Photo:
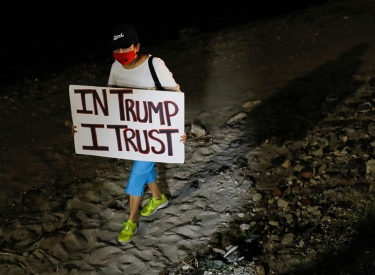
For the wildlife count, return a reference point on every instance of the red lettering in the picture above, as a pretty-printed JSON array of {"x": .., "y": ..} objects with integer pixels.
[
  {"x": 139, "y": 143},
  {"x": 120, "y": 93},
  {"x": 158, "y": 109},
  {"x": 128, "y": 140},
  {"x": 97, "y": 101},
  {"x": 129, "y": 106},
  {"x": 83, "y": 93},
  {"x": 168, "y": 114},
  {"x": 162, "y": 146},
  {"x": 94, "y": 137},
  {"x": 168, "y": 133},
  {"x": 118, "y": 137}
]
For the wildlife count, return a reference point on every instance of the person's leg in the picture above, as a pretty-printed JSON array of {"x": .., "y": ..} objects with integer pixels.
[
  {"x": 135, "y": 203},
  {"x": 157, "y": 200},
  {"x": 139, "y": 176},
  {"x": 155, "y": 191}
]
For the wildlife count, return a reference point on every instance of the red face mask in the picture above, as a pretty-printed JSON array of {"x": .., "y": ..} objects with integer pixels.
[{"x": 125, "y": 58}]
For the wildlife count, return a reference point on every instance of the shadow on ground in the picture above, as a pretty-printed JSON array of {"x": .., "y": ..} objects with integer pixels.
[
  {"x": 299, "y": 106},
  {"x": 289, "y": 115}
]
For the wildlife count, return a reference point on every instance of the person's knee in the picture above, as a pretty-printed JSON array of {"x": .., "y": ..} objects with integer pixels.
[{"x": 152, "y": 177}]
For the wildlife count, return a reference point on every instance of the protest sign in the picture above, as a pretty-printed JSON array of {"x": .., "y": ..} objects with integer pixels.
[{"x": 128, "y": 123}]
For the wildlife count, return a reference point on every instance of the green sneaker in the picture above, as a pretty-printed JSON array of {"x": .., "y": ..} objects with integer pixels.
[
  {"x": 153, "y": 205},
  {"x": 128, "y": 230}
]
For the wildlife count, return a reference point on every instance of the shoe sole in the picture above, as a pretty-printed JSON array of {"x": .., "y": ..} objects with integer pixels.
[
  {"x": 125, "y": 242},
  {"x": 156, "y": 209}
]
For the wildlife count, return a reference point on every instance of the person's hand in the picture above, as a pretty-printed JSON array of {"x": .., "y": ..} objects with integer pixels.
[
  {"x": 183, "y": 138},
  {"x": 73, "y": 130}
]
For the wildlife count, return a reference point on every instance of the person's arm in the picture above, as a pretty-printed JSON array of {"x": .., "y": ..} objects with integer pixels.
[
  {"x": 112, "y": 78},
  {"x": 167, "y": 81},
  {"x": 165, "y": 76}
]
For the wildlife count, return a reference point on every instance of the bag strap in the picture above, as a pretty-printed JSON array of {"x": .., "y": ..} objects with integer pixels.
[{"x": 153, "y": 73}]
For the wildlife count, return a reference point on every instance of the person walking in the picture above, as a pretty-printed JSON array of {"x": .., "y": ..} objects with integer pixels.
[{"x": 130, "y": 69}]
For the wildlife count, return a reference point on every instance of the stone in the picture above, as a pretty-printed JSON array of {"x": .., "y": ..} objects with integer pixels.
[
  {"x": 102, "y": 254},
  {"x": 257, "y": 197},
  {"x": 169, "y": 252},
  {"x": 370, "y": 167},
  {"x": 204, "y": 151},
  {"x": 233, "y": 257},
  {"x": 244, "y": 227},
  {"x": 60, "y": 252},
  {"x": 306, "y": 202},
  {"x": 188, "y": 230},
  {"x": 236, "y": 143},
  {"x": 77, "y": 204},
  {"x": 307, "y": 173},
  {"x": 38, "y": 253},
  {"x": 350, "y": 130},
  {"x": 182, "y": 175},
  {"x": 200, "y": 203},
  {"x": 251, "y": 103},
  {"x": 286, "y": 164},
  {"x": 282, "y": 203},
  {"x": 260, "y": 270},
  {"x": 197, "y": 131},
  {"x": 217, "y": 250},
  {"x": 289, "y": 218},
  {"x": 74, "y": 241},
  {"x": 276, "y": 193},
  {"x": 218, "y": 264},
  {"x": 274, "y": 223},
  {"x": 239, "y": 116},
  {"x": 287, "y": 239},
  {"x": 365, "y": 107},
  {"x": 318, "y": 152},
  {"x": 113, "y": 188},
  {"x": 215, "y": 148}
]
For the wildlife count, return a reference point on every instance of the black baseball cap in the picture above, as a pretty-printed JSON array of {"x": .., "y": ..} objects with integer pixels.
[{"x": 123, "y": 36}]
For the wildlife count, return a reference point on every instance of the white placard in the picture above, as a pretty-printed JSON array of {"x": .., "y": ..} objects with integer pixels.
[{"x": 128, "y": 123}]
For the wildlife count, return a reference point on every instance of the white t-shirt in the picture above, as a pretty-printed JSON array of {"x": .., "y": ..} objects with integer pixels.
[{"x": 141, "y": 78}]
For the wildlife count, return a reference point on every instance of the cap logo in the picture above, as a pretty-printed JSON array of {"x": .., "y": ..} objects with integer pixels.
[{"x": 118, "y": 36}]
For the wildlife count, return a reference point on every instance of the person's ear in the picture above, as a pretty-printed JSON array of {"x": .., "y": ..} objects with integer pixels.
[{"x": 136, "y": 48}]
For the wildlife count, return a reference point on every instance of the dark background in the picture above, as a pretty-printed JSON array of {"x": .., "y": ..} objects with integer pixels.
[{"x": 39, "y": 39}]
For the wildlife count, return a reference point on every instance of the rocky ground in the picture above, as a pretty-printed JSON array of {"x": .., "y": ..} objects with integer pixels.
[{"x": 276, "y": 181}]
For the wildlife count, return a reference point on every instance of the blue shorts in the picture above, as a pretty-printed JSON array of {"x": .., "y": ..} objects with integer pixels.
[{"x": 142, "y": 173}]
